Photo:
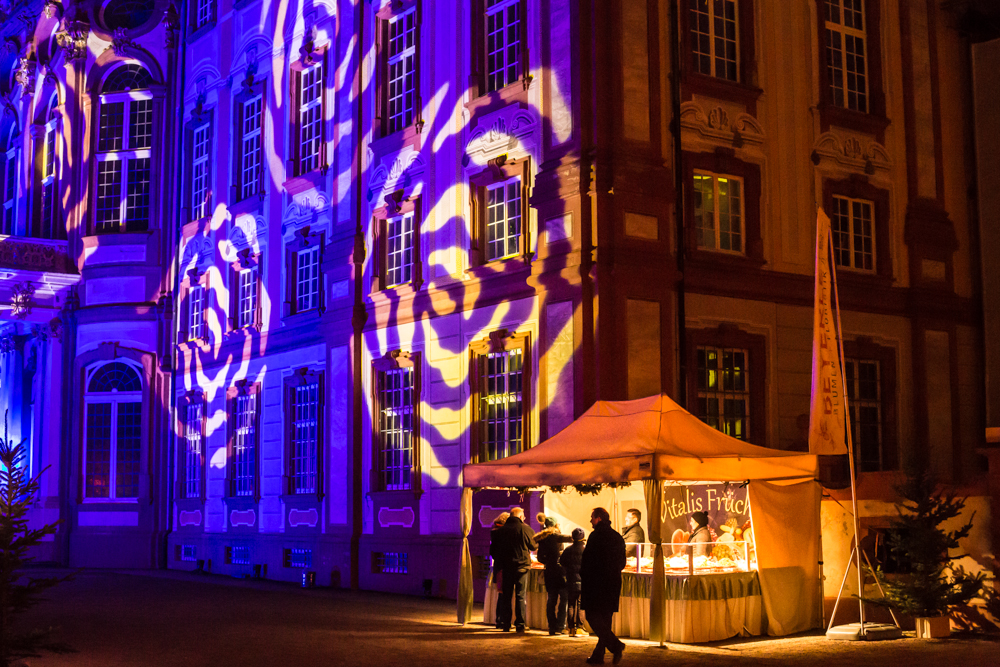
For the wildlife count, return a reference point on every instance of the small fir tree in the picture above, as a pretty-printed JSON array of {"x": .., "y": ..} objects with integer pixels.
[
  {"x": 18, "y": 593},
  {"x": 926, "y": 583}
]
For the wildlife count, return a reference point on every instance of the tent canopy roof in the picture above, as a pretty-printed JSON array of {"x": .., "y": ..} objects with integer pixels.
[{"x": 654, "y": 437}]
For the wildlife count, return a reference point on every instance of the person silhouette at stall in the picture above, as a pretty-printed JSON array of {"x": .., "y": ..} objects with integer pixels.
[
  {"x": 570, "y": 560},
  {"x": 513, "y": 555},
  {"x": 633, "y": 533},
  {"x": 700, "y": 537},
  {"x": 601, "y": 584},
  {"x": 550, "y": 541},
  {"x": 497, "y": 572}
]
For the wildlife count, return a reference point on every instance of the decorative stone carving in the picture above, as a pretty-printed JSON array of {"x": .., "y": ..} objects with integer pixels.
[
  {"x": 121, "y": 44},
  {"x": 171, "y": 26},
  {"x": 850, "y": 152},
  {"x": 511, "y": 130},
  {"x": 26, "y": 71},
  {"x": 15, "y": 253},
  {"x": 52, "y": 10},
  {"x": 73, "y": 39},
  {"x": 22, "y": 299},
  {"x": 718, "y": 128},
  {"x": 396, "y": 172}
]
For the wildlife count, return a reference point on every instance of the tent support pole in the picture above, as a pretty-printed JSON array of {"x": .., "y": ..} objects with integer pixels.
[{"x": 847, "y": 571}]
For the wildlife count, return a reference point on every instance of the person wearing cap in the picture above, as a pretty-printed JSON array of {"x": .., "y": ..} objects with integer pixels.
[
  {"x": 570, "y": 561},
  {"x": 700, "y": 537},
  {"x": 550, "y": 545}
]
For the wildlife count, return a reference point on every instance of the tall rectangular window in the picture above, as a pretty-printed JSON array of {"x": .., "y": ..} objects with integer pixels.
[
  {"x": 399, "y": 250},
  {"x": 307, "y": 279},
  {"x": 243, "y": 460},
  {"x": 251, "y": 146},
  {"x": 853, "y": 233},
  {"x": 9, "y": 188},
  {"x": 865, "y": 401},
  {"x": 504, "y": 43},
  {"x": 846, "y": 63},
  {"x": 200, "y": 156},
  {"x": 724, "y": 389},
  {"x": 395, "y": 400},
  {"x": 305, "y": 438},
  {"x": 401, "y": 73},
  {"x": 503, "y": 219},
  {"x": 501, "y": 406},
  {"x": 310, "y": 118},
  {"x": 714, "y": 34},
  {"x": 204, "y": 14},
  {"x": 718, "y": 211},
  {"x": 192, "y": 449},
  {"x": 246, "y": 305},
  {"x": 196, "y": 312}
]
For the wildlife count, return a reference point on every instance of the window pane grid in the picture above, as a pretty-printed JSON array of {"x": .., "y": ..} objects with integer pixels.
[
  {"x": 247, "y": 306},
  {"x": 193, "y": 452},
  {"x": 399, "y": 250},
  {"x": 243, "y": 470},
  {"x": 401, "y": 68},
  {"x": 503, "y": 219},
  {"x": 305, "y": 438},
  {"x": 137, "y": 200},
  {"x": 718, "y": 212},
  {"x": 503, "y": 44},
  {"x": 845, "y": 54},
  {"x": 724, "y": 390},
  {"x": 396, "y": 411},
  {"x": 501, "y": 407},
  {"x": 122, "y": 201},
  {"x": 98, "y": 484},
  {"x": 112, "y": 130},
  {"x": 864, "y": 396},
  {"x": 109, "y": 196},
  {"x": 128, "y": 448},
  {"x": 853, "y": 233},
  {"x": 311, "y": 118},
  {"x": 199, "y": 172},
  {"x": 140, "y": 126},
  {"x": 196, "y": 313},
  {"x": 307, "y": 280},
  {"x": 251, "y": 142},
  {"x": 714, "y": 34},
  {"x": 204, "y": 12}
]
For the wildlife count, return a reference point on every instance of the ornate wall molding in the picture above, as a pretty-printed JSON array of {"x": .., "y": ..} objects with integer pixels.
[
  {"x": 512, "y": 131},
  {"x": 719, "y": 125},
  {"x": 18, "y": 254},
  {"x": 850, "y": 152}
]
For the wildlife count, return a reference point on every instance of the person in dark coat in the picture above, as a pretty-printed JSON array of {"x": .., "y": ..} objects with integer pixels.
[
  {"x": 601, "y": 584},
  {"x": 497, "y": 573},
  {"x": 570, "y": 561},
  {"x": 700, "y": 537},
  {"x": 633, "y": 533},
  {"x": 513, "y": 554},
  {"x": 550, "y": 545}
]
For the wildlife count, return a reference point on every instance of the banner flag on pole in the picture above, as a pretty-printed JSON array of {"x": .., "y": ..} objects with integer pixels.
[{"x": 827, "y": 423}]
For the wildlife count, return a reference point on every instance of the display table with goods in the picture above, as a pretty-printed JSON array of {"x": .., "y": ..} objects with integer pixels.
[{"x": 707, "y": 598}]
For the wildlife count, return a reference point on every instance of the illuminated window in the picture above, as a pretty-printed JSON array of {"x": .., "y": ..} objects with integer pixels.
[
  {"x": 246, "y": 306},
  {"x": 503, "y": 219},
  {"x": 394, "y": 398},
  {"x": 243, "y": 445},
  {"x": 399, "y": 250},
  {"x": 310, "y": 118},
  {"x": 865, "y": 400},
  {"x": 307, "y": 279},
  {"x": 504, "y": 43},
  {"x": 297, "y": 557},
  {"x": 714, "y": 33},
  {"x": 200, "y": 165},
  {"x": 303, "y": 473},
  {"x": 845, "y": 54},
  {"x": 723, "y": 385},
  {"x": 401, "y": 71},
  {"x": 124, "y": 152},
  {"x": 390, "y": 562},
  {"x": 113, "y": 430},
  {"x": 718, "y": 211},
  {"x": 193, "y": 446},
  {"x": 500, "y": 396},
  {"x": 251, "y": 145},
  {"x": 10, "y": 184},
  {"x": 204, "y": 13},
  {"x": 48, "y": 225},
  {"x": 853, "y": 233},
  {"x": 196, "y": 312}
]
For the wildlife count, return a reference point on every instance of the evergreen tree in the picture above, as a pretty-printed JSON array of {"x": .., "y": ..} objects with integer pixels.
[
  {"x": 18, "y": 592},
  {"x": 926, "y": 584}
]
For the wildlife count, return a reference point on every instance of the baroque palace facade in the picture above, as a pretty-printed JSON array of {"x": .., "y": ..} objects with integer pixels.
[{"x": 276, "y": 271}]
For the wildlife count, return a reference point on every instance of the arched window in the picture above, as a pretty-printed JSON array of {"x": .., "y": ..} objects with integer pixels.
[
  {"x": 113, "y": 438},
  {"x": 124, "y": 152},
  {"x": 48, "y": 224},
  {"x": 9, "y": 184}
]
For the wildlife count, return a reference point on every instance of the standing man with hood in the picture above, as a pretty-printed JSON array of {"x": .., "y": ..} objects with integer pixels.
[
  {"x": 601, "y": 580},
  {"x": 550, "y": 546},
  {"x": 513, "y": 556}
]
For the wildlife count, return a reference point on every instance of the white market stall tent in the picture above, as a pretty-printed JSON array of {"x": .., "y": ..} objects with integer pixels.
[{"x": 654, "y": 440}]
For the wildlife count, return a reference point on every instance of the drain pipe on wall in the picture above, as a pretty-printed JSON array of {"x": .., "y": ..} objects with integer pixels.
[{"x": 675, "y": 126}]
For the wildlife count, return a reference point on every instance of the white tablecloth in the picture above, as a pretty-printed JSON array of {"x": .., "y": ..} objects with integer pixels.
[{"x": 729, "y": 605}]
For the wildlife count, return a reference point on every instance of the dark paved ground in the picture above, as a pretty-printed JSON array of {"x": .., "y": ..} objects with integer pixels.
[{"x": 171, "y": 619}]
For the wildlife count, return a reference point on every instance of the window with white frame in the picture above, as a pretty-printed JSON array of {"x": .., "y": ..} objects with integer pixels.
[
  {"x": 724, "y": 389},
  {"x": 204, "y": 13},
  {"x": 504, "y": 48},
  {"x": 853, "y": 233},
  {"x": 200, "y": 156},
  {"x": 718, "y": 212},
  {"x": 243, "y": 460},
  {"x": 246, "y": 302},
  {"x": 113, "y": 432},
  {"x": 399, "y": 250},
  {"x": 193, "y": 444},
  {"x": 10, "y": 184},
  {"x": 124, "y": 152},
  {"x": 503, "y": 219},
  {"x": 196, "y": 312},
  {"x": 395, "y": 400},
  {"x": 251, "y": 145},
  {"x": 846, "y": 61},
  {"x": 305, "y": 438},
  {"x": 865, "y": 402},
  {"x": 401, "y": 71},
  {"x": 307, "y": 279},
  {"x": 310, "y": 118},
  {"x": 501, "y": 409},
  {"x": 714, "y": 34}
]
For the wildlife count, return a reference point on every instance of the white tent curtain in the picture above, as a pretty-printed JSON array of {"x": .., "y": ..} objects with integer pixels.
[
  {"x": 465, "y": 566},
  {"x": 653, "y": 489}
]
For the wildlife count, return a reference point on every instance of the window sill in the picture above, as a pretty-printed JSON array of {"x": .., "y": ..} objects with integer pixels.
[
  {"x": 110, "y": 501},
  {"x": 396, "y": 292},
  {"x": 201, "y": 31},
  {"x": 308, "y": 181},
  {"x": 302, "y": 500},
  {"x": 848, "y": 276},
  {"x": 516, "y": 92},
  {"x": 498, "y": 267},
  {"x": 702, "y": 256},
  {"x": 298, "y": 319},
  {"x": 709, "y": 86},
  {"x": 397, "y": 141},
  {"x": 247, "y": 204},
  {"x": 382, "y": 497},
  {"x": 853, "y": 120}
]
